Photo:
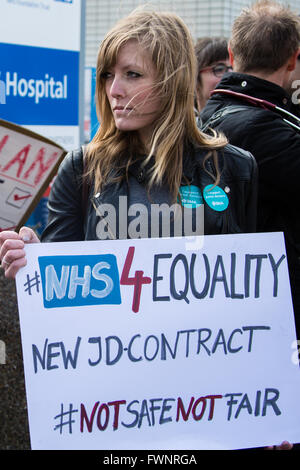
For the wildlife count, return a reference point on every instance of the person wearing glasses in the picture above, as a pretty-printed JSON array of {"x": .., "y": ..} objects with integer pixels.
[{"x": 213, "y": 61}]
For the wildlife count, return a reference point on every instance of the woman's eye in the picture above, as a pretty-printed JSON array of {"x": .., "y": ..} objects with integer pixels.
[
  {"x": 132, "y": 74},
  {"x": 106, "y": 75}
]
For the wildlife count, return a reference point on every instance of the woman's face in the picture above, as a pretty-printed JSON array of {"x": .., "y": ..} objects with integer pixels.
[
  {"x": 129, "y": 89},
  {"x": 209, "y": 81}
]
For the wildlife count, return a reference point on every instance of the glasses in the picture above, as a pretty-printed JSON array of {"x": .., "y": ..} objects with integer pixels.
[{"x": 218, "y": 70}]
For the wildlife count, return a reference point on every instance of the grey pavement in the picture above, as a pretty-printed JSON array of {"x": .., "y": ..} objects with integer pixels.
[{"x": 14, "y": 432}]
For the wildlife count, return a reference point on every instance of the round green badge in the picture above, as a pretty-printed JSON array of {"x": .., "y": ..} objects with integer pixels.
[
  {"x": 191, "y": 196},
  {"x": 216, "y": 198}
]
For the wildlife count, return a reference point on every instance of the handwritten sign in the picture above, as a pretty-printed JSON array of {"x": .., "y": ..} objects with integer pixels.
[
  {"x": 28, "y": 162},
  {"x": 148, "y": 344}
]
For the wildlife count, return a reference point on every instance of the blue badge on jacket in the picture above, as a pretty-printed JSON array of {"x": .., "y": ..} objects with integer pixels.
[
  {"x": 191, "y": 196},
  {"x": 216, "y": 198}
]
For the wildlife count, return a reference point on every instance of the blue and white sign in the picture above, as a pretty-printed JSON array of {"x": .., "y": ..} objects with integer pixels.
[
  {"x": 41, "y": 71},
  {"x": 40, "y": 87}
]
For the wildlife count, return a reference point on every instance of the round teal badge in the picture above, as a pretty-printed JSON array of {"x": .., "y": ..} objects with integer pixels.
[
  {"x": 215, "y": 197},
  {"x": 191, "y": 196}
]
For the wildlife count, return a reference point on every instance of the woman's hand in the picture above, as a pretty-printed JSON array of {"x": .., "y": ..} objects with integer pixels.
[{"x": 12, "y": 253}]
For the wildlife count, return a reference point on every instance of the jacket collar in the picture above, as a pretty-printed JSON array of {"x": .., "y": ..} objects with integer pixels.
[{"x": 257, "y": 87}]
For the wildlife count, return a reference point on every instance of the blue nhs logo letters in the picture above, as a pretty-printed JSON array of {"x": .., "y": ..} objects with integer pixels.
[
  {"x": 41, "y": 85},
  {"x": 70, "y": 281}
]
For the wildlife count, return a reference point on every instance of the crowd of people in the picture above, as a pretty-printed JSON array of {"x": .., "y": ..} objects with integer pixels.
[{"x": 173, "y": 114}]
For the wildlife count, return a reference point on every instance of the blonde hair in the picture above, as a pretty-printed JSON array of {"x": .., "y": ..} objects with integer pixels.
[{"x": 167, "y": 40}]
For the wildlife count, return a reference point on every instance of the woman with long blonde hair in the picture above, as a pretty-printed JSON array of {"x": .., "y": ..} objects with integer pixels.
[
  {"x": 166, "y": 40},
  {"x": 147, "y": 153}
]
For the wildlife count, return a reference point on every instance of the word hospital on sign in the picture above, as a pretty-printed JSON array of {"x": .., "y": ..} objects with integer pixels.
[{"x": 36, "y": 88}]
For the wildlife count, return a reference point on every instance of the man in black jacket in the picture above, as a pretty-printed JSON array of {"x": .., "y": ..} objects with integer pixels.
[{"x": 263, "y": 49}]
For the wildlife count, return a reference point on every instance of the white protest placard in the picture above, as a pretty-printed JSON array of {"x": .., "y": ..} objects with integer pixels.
[
  {"x": 145, "y": 344},
  {"x": 28, "y": 162}
]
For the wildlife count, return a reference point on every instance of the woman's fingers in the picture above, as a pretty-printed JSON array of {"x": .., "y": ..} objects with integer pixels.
[
  {"x": 12, "y": 252},
  {"x": 11, "y": 269},
  {"x": 28, "y": 235},
  {"x": 12, "y": 256},
  {"x": 10, "y": 244},
  {"x": 285, "y": 445},
  {"x": 7, "y": 235}
]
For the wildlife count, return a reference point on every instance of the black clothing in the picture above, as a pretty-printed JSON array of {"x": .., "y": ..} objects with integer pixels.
[
  {"x": 71, "y": 220},
  {"x": 275, "y": 145}
]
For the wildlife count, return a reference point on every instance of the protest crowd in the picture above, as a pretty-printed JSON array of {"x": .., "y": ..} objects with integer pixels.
[{"x": 220, "y": 111}]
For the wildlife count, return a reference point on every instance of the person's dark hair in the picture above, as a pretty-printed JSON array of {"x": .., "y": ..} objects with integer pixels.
[
  {"x": 264, "y": 36},
  {"x": 210, "y": 50}
]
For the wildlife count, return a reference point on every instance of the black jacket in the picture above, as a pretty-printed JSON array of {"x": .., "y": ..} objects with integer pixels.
[
  {"x": 73, "y": 217},
  {"x": 276, "y": 147}
]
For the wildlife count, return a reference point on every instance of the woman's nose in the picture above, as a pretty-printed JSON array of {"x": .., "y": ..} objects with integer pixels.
[{"x": 117, "y": 89}]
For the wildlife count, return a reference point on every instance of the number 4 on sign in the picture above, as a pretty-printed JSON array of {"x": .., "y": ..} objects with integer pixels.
[{"x": 137, "y": 281}]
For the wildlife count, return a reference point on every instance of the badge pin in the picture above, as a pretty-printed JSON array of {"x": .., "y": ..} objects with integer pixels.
[{"x": 216, "y": 198}]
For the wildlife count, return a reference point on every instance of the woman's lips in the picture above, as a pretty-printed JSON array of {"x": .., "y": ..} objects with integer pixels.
[{"x": 121, "y": 110}]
